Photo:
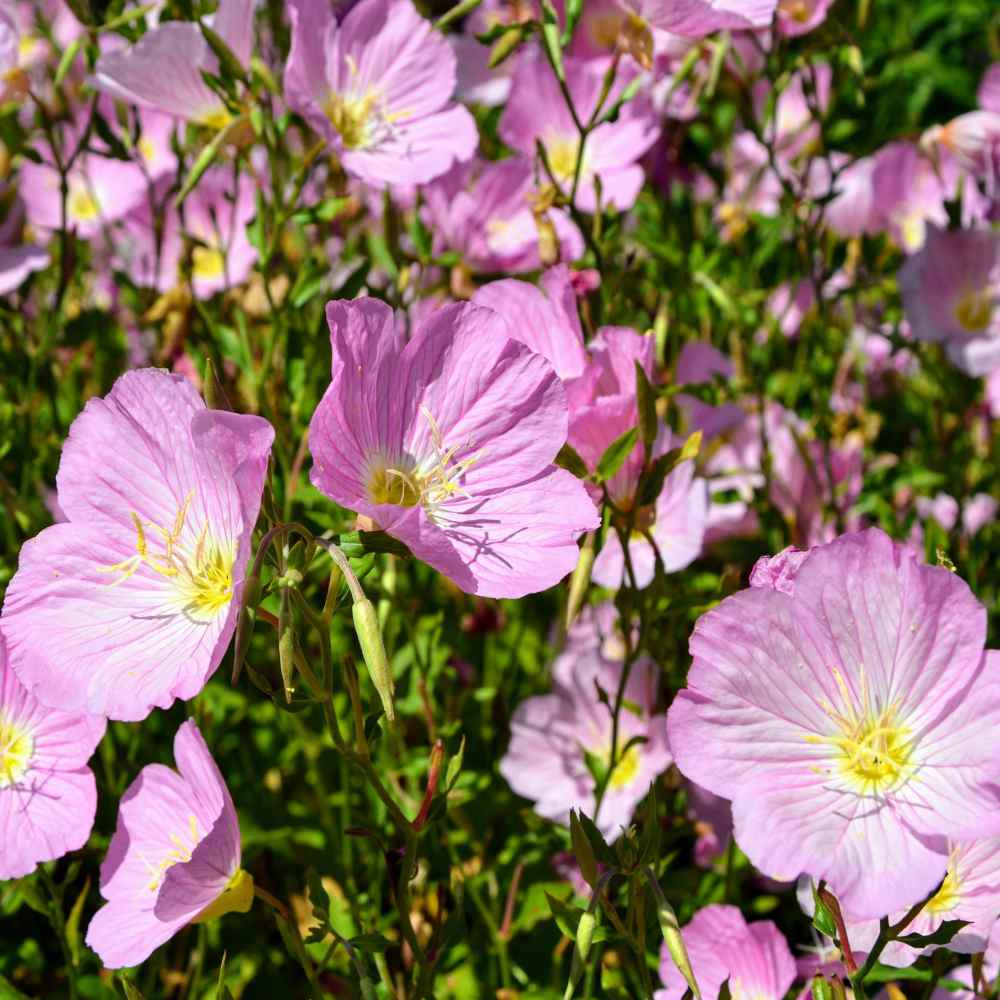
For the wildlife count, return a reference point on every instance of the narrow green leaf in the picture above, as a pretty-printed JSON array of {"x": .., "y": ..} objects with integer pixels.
[{"x": 616, "y": 453}]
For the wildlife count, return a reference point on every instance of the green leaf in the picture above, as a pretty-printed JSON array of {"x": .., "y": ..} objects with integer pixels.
[
  {"x": 73, "y": 922},
  {"x": 568, "y": 459},
  {"x": 132, "y": 992},
  {"x": 374, "y": 943},
  {"x": 614, "y": 457},
  {"x": 454, "y": 768},
  {"x": 943, "y": 935},
  {"x": 822, "y": 917},
  {"x": 551, "y": 39},
  {"x": 645, "y": 396},
  {"x": 227, "y": 58},
  {"x": 205, "y": 159},
  {"x": 318, "y": 897},
  {"x": 583, "y": 850}
]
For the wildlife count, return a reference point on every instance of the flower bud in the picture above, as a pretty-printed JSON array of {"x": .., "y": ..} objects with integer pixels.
[
  {"x": 584, "y": 938},
  {"x": 675, "y": 943},
  {"x": 370, "y": 637},
  {"x": 580, "y": 580},
  {"x": 821, "y": 988}
]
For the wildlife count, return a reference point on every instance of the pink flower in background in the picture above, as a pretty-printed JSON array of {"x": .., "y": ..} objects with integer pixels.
[
  {"x": 699, "y": 362},
  {"x": 754, "y": 958},
  {"x": 485, "y": 212},
  {"x": 697, "y": 18},
  {"x": 537, "y": 112},
  {"x": 545, "y": 318},
  {"x": 17, "y": 259},
  {"x": 216, "y": 214},
  {"x": 47, "y": 793},
  {"x": 712, "y": 816},
  {"x": 970, "y": 892},
  {"x": 797, "y": 17},
  {"x": 174, "y": 857},
  {"x": 909, "y": 192},
  {"x": 980, "y": 510},
  {"x": 989, "y": 89},
  {"x": 378, "y": 87},
  {"x": 951, "y": 294},
  {"x": 447, "y": 443},
  {"x": 852, "y": 721},
  {"x": 853, "y": 211},
  {"x": 132, "y": 602},
  {"x": 553, "y": 735},
  {"x": 100, "y": 191},
  {"x": 163, "y": 70}
]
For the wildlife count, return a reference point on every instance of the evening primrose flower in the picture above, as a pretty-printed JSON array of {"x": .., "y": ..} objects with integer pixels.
[
  {"x": 378, "y": 87},
  {"x": 163, "y": 70},
  {"x": 697, "y": 18},
  {"x": 174, "y": 858},
  {"x": 754, "y": 958},
  {"x": 851, "y": 717},
  {"x": 951, "y": 294},
  {"x": 447, "y": 443},
  {"x": 132, "y": 602},
  {"x": 47, "y": 793},
  {"x": 536, "y": 112},
  {"x": 560, "y": 743},
  {"x": 969, "y": 892}
]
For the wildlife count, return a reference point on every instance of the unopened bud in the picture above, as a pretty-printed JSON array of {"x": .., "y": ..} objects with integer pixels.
[
  {"x": 372, "y": 648},
  {"x": 584, "y": 938},
  {"x": 548, "y": 240},
  {"x": 579, "y": 582},
  {"x": 837, "y": 990},
  {"x": 821, "y": 988},
  {"x": 505, "y": 45},
  {"x": 675, "y": 943}
]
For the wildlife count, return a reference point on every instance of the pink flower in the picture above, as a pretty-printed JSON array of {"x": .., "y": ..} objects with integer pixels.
[
  {"x": 697, "y": 18},
  {"x": 797, "y": 17},
  {"x": 721, "y": 945},
  {"x": 163, "y": 70},
  {"x": 48, "y": 796},
  {"x": 216, "y": 214},
  {"x": 132, "y": 602},
  {"x": 447, "y": 442},
  {"x": 553, "y": 735},
  {"x": 908, "y": 192},
  {"x": 989, "y": 89},
  {"x": 713, "y": 823},
  {"x": 378, "y": 87},
  {"x": 485, "y": 212},
  {"x": 537, "y": 112},
  {"x": 100, "y": 191},
  {"x": 980, "y": 510},
  {"x": 852, "y": 722},
  {"x": 603, "y": 407},
  {"x": 545, "y": 319},
  {"x": 17, "y": 260},
  {"x": 970, "y": 892},
  {"x": 951, "y": 294},
  {"x": 174, "y": 858}
]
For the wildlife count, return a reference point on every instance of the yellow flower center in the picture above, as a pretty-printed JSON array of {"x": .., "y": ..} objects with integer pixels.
[
  {"x": 201, "y": 575},
  {"x": 627, "y": 768},
  {"x": 797, "y": 10},
  {"x": 948, "y": 896},
  {"x": 207, "y": 262},
  {"x": 974, "y": 310},
  {"x": 217, "y": 117},
  {"x": 82, "y": 206},
  {"x": 16, "y": 749},
  {"x": 237, "y": 897},
  {"x": 562, "y": 153},
  {"x": 405, "y": 483},
  {"x": 873, "y": 749},
  {"x": 605, "y": 28},
  {"x": 146, "y": 150},
  {"x": 179, "y": 853},
  {"x": 351, "y": 116}
]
